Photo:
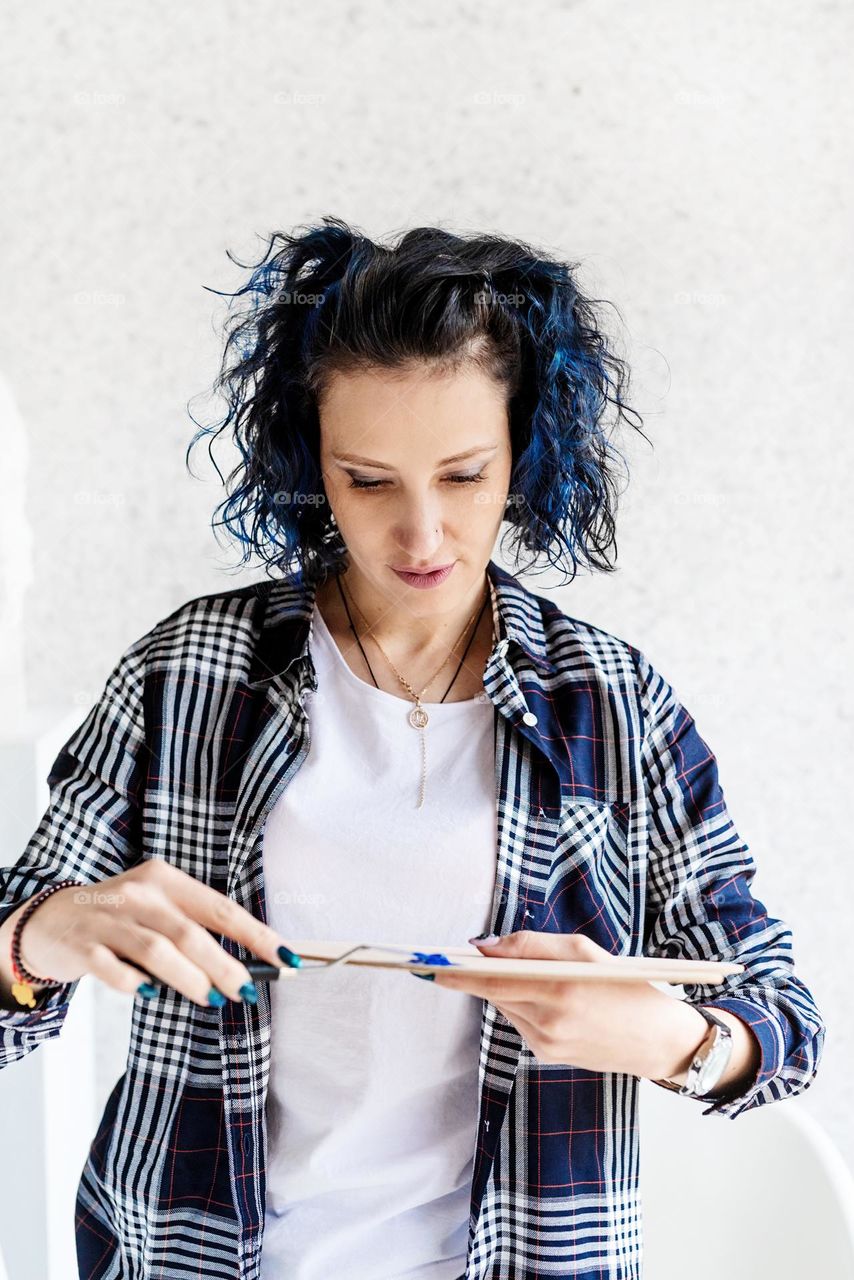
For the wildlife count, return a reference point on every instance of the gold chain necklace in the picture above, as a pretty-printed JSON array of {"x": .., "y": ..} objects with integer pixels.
[{"x": 417, "y": 717}]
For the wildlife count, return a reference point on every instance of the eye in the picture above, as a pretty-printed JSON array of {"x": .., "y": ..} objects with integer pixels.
[{"x": 356, "y": 483}]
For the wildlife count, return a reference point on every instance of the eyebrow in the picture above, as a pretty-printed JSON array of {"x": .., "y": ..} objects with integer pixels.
[{"x": 382, "y": 466}]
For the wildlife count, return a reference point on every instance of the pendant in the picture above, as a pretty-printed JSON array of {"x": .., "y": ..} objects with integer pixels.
[
  {"x": 418, "y": 717},
  {"x": 23, "y": 993}
]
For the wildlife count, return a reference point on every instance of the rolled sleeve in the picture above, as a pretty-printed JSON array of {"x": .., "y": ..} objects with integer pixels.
[
  {"x": 22, "y": 1030},
  {"x": 772, "y": 1050},
  {"x": 699, "y": 904}
]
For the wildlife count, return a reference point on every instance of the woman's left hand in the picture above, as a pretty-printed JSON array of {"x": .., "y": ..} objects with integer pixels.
[{"x": 599, "y": 1025}]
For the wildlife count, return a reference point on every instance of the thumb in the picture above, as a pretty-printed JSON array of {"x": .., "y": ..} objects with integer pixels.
[
  {"x": 506, "y": 943},
  {"x": 540, "y": 946}
]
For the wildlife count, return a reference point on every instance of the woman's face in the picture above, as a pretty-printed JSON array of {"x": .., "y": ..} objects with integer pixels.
[{"x": 386, "y": 438}]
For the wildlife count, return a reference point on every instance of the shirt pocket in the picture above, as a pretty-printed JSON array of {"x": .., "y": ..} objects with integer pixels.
[{"x": 591, "y": 887}]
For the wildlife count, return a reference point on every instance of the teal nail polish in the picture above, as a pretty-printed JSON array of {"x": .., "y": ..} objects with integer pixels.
[
  {"x": 146, "y": 990},
  {"x": 249, "y": 992},
  {"x": 428, "y": 977},
  {"x": 289, "y": 957},
  {"x": 216, "y": 998}
]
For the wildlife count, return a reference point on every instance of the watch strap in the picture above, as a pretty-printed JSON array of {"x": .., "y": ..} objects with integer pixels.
[{"x": 717, "y": 1028}]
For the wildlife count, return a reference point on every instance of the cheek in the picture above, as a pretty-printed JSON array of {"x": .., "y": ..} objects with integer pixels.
[{"x": 353, "y": 510}]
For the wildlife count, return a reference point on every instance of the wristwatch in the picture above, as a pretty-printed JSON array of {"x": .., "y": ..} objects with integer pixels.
[{"x": 709, "y": 1062}]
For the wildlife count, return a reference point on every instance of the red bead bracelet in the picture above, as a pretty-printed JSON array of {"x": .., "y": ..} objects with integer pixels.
[{"x": 21, "y": 988}]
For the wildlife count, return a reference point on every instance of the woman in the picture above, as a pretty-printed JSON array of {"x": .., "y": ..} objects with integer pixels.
[{"x": 392, "y": 740}]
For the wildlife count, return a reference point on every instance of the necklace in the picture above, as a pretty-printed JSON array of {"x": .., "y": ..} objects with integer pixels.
[{"x": 417, "y": 717}]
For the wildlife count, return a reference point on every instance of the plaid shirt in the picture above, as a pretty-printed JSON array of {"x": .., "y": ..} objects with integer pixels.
[{"x": 611, "y": 822}]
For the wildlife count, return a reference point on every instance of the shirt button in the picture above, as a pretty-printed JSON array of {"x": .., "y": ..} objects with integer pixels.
[{"x": 529, "y": 718}]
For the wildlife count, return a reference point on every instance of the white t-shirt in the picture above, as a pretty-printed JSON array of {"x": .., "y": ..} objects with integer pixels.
[{"x": 372, "y": 1106}]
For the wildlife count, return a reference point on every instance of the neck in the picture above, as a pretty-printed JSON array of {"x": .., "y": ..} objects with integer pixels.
[{"x": 397, "y": 628}]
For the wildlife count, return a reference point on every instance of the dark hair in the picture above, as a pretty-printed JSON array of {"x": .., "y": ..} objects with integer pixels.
[{"x": 332, "y": 300}]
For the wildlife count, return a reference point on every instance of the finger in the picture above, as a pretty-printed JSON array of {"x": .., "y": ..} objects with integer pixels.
[
  {"x": 113, "y": 972},
  {"x": 530, "y": 1032},
  {"x": 157, "y": 955},
  {"x": 157, "y": 913},
  {"x": 521, "y": 990},
  {"x": 527, "y": 1029},
  {"x": 213, "y": 909}
]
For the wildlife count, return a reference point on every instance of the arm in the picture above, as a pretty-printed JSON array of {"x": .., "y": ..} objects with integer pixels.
[
  {"x": 7, "y": 1001},
  {"x": 699, "y": 906},
  {"x": 90, "y": 830},
  {"x": 688, "y": 1033}
]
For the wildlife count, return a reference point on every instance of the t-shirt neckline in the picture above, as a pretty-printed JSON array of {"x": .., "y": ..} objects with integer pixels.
[{"x": 370, "y": 690}]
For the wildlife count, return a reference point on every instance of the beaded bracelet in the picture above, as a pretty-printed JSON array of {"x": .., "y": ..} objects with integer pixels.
[{"x": 21, "y": 988}]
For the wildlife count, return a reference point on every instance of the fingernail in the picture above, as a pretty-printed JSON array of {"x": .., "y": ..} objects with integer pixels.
[
  {"x": 146, "y": 990},
  {"x": 428, "y": 977},
  {"x": 486, "y": 939},
  {"x": 249, "y": 992},
  {"x": 216, "y": 998},
  {"x": 289, "y": 957}
]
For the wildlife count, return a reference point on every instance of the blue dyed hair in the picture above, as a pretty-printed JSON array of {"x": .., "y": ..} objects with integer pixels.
[{"x": 331, "y": 300}]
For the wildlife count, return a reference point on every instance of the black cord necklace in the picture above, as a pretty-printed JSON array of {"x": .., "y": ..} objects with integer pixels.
[
  {"x": 418, "y": 716},
  {"x": 365, "y": 656}
]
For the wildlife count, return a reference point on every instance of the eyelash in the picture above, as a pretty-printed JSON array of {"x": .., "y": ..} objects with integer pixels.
[{"x": 355, "y": 483}]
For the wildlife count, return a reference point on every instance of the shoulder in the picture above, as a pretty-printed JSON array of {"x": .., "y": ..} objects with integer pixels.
[
  {"x": 578, "y": 647},
  {"x": 239, "y": 606},
  {"x": 582, "y": 652},
  {"x": 217, "y": 629}
]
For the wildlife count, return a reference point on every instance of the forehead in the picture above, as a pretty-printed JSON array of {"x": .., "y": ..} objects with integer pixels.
[{"x": 417, "y": 404}]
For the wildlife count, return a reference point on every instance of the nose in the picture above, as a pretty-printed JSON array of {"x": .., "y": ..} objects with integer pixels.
[{"x": 418, "y": 532}]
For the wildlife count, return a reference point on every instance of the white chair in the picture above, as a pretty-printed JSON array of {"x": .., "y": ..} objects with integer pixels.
[{"x": 766, "y": 1196}]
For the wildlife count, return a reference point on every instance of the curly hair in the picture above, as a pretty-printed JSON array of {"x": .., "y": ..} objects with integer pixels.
[{"x": 331, "y": 300}]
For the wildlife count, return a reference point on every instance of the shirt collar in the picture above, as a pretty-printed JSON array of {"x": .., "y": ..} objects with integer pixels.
[{"x": 288, "y": 604}]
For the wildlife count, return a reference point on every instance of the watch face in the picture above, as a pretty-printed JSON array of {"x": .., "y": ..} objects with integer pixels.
[{"x": 715, "y": 1063}]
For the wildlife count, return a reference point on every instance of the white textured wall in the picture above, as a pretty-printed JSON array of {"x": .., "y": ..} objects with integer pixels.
[{"x": 696, "y": 158}]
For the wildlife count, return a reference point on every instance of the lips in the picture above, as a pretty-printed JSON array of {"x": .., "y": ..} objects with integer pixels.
[
  {"x": 424, "y": 579},
  {"x": 436, "y": 568}
]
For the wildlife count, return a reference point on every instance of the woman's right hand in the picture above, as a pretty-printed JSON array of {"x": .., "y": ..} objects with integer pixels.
[{"x": 153, "y": 916}]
